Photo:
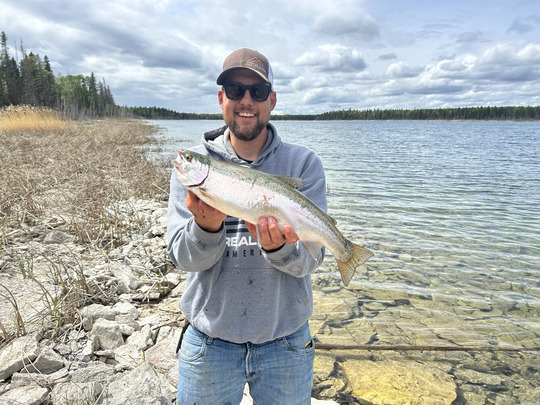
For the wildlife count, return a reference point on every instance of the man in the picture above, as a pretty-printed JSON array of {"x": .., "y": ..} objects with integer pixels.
[{"x": 247, "y": 300}]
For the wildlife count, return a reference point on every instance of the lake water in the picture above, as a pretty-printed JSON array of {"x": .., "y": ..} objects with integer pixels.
[{"x": 451, "y": 211}]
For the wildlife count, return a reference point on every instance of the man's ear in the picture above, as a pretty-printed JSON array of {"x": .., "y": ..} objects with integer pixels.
[
  {"x": 273, "y": 100},
  {"x": 220, "y": 97}
]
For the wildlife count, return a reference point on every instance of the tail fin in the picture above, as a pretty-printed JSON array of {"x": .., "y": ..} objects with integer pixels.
[{"x": 360, "y": 255}]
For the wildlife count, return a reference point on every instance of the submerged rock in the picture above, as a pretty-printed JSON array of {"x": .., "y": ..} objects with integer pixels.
[{"x": 399, "y": 382}]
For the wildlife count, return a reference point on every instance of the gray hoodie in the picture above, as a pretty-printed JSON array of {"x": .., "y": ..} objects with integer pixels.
[{"x": 235, "y": 290}]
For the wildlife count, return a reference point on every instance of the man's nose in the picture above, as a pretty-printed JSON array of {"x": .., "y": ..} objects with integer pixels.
[{"x": 246, "y": 98}]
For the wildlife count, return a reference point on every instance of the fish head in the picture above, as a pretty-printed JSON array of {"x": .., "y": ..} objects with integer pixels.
[{"x": 191, "y": 168}]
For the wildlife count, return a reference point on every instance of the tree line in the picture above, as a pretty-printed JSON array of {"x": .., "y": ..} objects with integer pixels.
[
  {"x": 31, "y": 81},
  {"x": 513, "y": 113},
  {"x": 519, "y": 113},
  {"x": 159, "y": 113}
]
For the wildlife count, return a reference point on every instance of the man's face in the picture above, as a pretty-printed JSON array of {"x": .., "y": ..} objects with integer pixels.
[{"x": 246, "y": 118}]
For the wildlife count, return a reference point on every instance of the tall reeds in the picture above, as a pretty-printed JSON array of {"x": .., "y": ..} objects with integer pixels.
[{"x": 28, "y": 118}]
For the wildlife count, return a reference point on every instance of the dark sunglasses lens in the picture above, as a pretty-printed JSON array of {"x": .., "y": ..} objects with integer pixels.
[
  {"x": 258, "y": 92},
  {"x": 234, "y": 91}
]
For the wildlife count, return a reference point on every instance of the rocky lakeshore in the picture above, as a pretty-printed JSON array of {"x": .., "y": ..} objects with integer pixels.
[
  {"x": 121, "y": 347},
  {"x": 89, "y": 300},
  {"x": 121, "y": 350}
]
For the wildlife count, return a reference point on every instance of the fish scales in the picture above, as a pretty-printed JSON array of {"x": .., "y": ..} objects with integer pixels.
[{"x": 249, "y": 194}]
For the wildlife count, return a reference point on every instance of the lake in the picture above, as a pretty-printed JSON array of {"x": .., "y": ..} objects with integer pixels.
[{"x": 451, "y": 211}]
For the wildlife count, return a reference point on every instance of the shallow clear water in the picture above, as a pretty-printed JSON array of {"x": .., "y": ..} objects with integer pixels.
[{"x": 451, "y": 211}]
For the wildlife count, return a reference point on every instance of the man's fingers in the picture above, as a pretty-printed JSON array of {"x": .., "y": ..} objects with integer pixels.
[
  {"x": 276, "y": 236},
  {"x": 290, "y": 234}
]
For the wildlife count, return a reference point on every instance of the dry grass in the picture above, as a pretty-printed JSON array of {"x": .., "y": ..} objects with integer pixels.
[
  {"x": 28, "y": 118},
  {"x": 73, "y": 172},
  {"x": 68, "y": 176}
]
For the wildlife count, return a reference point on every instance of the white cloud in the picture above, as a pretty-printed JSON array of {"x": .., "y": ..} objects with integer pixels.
[
  {"x": 360, "y": 26},
  {"x": 325, "y": 55},
  {"x": 333, "y": 58},
  {"x": 510, "y": 55},
  {"x": 403, "y": 69}
]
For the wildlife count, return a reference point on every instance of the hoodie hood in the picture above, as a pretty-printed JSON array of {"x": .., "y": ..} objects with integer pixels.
[{"x": 218, "y": 144}]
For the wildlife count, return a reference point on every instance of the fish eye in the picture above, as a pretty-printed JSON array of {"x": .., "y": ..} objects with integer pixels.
[{"x": 188, "y": 157}]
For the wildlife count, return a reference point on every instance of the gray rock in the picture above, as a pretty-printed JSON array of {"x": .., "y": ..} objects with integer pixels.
[
  {"x": 142, "y": 339},
  {"x": 125, "y": 275},
  {"x": 146, "y": 297},
  {"x": 125, "y": 308},
  {"x": 125, "y": 330},
  {"x": 173, "y": 279},
  {"x": 76, "y": 393},
  {"x": 128, "y": 356},
  {"x": 96, "y": 371},
  {"x": 98, "y": 311},
  {"x": 106, "y": 334},
  {"x": 95, "y": 311},
  {"x": 128, "y": 320},
  {"x": 47, "y": 362},
  {"x": 142, "y": 386},
  {"x": 25, "y": 379},
  {"x": 89, "y": 348},
  {"x": 57, "y": 237},
  {"x": 29, "y": 395},
  {"x": 19, "y": 353}
]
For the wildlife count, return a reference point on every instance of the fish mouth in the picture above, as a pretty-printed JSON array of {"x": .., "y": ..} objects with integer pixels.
[
  {"x": 181, "y": 166},
  {"x": 179, "y": 171}
]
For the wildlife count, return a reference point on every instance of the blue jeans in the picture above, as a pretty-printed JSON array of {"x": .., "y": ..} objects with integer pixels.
[{"x": 214, "y": 372}]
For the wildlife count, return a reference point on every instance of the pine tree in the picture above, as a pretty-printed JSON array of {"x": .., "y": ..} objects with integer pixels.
[
  {"x": 94, "y": 96},
  {"x": 10, "y": 78},
  {"x": 29, "y": 78},
  {"x": 47, "y": 94}
]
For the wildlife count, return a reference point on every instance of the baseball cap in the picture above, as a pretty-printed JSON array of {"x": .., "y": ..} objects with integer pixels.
[{"x": 250, "y": 59}]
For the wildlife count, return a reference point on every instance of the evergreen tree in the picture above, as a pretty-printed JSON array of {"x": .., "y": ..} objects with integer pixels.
[
  {"x": 29, "y": 78},
  {"x": 47, "y": 94},
  {"x": 13, "y": 82},
  {"x": 94, "y": 96},
  {"x": 10, "y": 80}
]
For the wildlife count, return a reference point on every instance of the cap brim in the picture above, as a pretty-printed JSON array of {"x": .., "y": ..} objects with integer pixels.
[{"x": 223, "y": 76}]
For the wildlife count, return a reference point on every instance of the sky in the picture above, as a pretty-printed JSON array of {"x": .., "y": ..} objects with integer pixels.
[{"x": 326, "y": 55}]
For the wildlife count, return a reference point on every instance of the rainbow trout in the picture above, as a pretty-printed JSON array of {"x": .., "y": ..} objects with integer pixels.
[{"x": 249, "y": 194}]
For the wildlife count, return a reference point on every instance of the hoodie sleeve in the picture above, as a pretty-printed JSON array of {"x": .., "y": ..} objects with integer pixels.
[
  {"x": 190, "y": 248},
  {"x": 299, "y": 260}
]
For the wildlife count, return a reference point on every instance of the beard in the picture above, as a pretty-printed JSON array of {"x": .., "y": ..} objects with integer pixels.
[{"x": 246, "y": 134}]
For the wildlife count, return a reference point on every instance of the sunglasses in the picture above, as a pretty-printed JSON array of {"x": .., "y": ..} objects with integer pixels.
[{"x": 259, "y": 92}]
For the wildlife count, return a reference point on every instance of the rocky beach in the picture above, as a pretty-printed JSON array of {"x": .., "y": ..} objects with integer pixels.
[{"x": 90, "y": 313}]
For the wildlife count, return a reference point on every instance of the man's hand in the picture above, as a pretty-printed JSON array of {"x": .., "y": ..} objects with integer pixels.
[
  {"x": 207, "y": 217},
  {"x": 271, "y": 236}
]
